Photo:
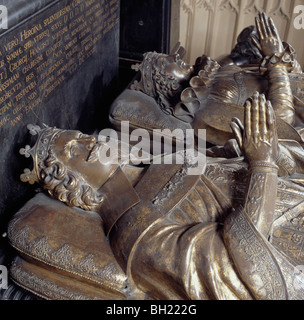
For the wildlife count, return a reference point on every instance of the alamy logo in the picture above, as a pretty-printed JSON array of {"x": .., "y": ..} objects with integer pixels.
[
  {"x": 299, "y": 277},
  {"x": 299, "y": 20},
  {"x": 3, "y": 277},
  {"x": 165, "y": 147},
  {"x": 3, "y": 17}
]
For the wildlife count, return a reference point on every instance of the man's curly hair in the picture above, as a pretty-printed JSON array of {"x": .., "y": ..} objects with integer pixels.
[{"x": 68, "y": 187}]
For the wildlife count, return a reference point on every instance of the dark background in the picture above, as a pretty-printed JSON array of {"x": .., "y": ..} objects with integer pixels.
[{"x": 145, "y": 25}]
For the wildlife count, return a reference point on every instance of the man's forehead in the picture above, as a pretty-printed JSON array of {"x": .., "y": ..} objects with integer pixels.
[
  {"x": 165, "y": 57},
  {"x": 63, "y": 137},
  {"x": 67, "y": 134}
]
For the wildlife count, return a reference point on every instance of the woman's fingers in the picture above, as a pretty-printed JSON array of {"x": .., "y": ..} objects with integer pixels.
[
  {"x": 255, "y": 117},
  {"x": 274, "y": 30},
  {"x": 259, "y": 119},
  {"x": 263, "y": 117},
  {"x": 259, "y": 28},
  {"x": 238, "y": 132},
  {"x": 247, "y": 126},
  {"x": 257, "y": 43},
  {"x": 270, "y": 115},
  {"x": 266, "y": 24}
]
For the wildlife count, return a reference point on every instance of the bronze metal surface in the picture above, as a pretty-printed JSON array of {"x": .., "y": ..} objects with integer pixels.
[{"x": 233, "y": 232}]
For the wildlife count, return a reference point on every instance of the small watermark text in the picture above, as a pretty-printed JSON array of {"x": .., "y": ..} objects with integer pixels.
[
  {"x": 299, "y": 20},
  {"x": 3, "y": 277},
  {"x": 162, "y": 147},
  {"x": 153, "y": 309},
  {"x": 3, "y": 17},
  {"x": 298, "y": 281}
]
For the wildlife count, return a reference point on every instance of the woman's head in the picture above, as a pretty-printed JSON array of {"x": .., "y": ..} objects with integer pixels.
[{"x": 163, "y": 77}]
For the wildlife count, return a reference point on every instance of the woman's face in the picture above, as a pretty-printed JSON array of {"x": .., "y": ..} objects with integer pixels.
[{"x": 175, "y": 66}]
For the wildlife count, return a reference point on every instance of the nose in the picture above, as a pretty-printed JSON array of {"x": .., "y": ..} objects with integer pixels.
[
  {"x": 176, "y": 57},
  {"x": 90, "y": 141}
]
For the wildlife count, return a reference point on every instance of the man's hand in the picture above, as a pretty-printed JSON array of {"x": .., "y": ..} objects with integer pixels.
[
  {"x": 258, "y": 138},
  {"x": 270, "y": 41}
]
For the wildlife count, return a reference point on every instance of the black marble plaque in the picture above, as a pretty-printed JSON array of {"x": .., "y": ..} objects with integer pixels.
[
  {"x": 145, "y": 26},
  {"x": 58, "y": 61}
]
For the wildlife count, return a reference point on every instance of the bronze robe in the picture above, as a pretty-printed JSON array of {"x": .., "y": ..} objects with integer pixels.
[{"x": 201, "y": 248}]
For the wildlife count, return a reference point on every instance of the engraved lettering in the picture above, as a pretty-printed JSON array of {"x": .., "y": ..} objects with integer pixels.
[
  {"x": 9, "y": 93},
  {"x": 18, "y": 108},
  {"x": 54, "y": 86},
  {"x": 14, "y": 55},
  {"x": 26, "y": 90},
  {"x": 52, "y": 69},
  {"x": 4, "y": 120},
  {"x": 16, "y": 119},
  {"x": 41, "y": 36},
  {"x": 5, "y": 108},
  {"x": 33, "y": 105},
  {"x": 16, "y": 65},
  {"x": 32, "y": 64},
  {"x": 13, "y": 43},
  {"x": 57, "y": 15},
  {"x": 40, "y": 56},
  {"x": 10, "y": 81},
  {"x": 25, "y": 34}
]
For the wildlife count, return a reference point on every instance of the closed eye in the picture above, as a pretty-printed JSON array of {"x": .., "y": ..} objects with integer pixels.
[
  {"x": 70, "y": 148},
  {"x": 73, "y": 150}
]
